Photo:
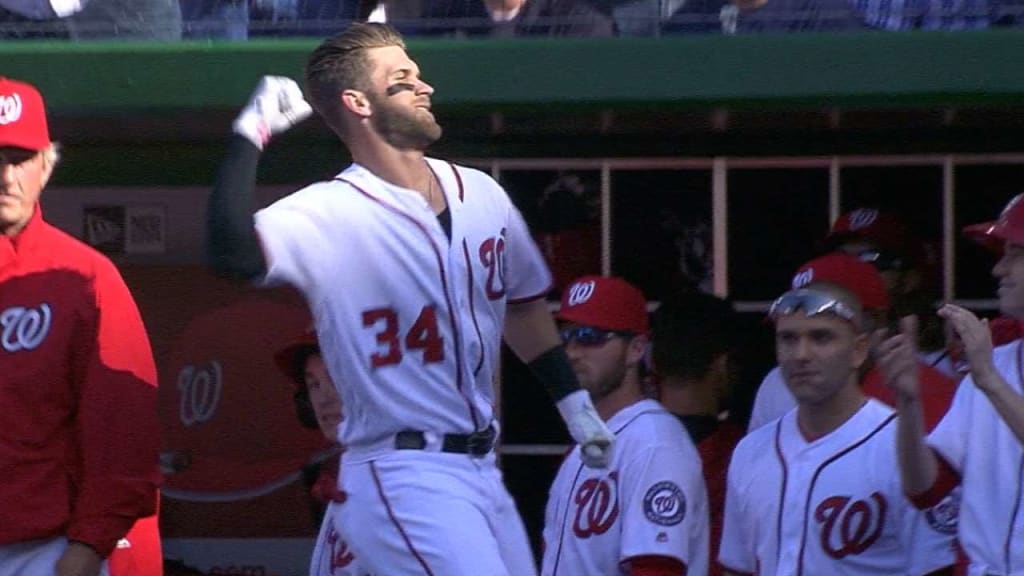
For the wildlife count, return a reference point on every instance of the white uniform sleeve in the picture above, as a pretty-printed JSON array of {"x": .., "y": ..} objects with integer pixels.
[
  {"x": 289, "y": 238},
  {"x": 930, "y": 535},
  {"x": 526, "y": 274},
  {"x": 949, "y": 437},
  {"x": 737, "y": 550},
  {"x": 664, "y": 507}
]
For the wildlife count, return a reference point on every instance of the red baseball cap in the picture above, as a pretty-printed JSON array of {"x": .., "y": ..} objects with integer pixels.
[
  {"x": 860, "y": 278},
  {"x": 301, "y": 346},
  {"x": 22, "y": 116},
  {"x": 1008, "y": 228},
  {"x": 871, "y": 225},
  {"x": 606, "y": 303}
]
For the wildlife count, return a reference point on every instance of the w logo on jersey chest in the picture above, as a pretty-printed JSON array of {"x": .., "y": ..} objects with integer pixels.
[
  {"x": 850, "y": 526},
  {"x": 492, "y": 257},
  {"x": 597, "y": 506},
  {"x": 24, "y": 328}
]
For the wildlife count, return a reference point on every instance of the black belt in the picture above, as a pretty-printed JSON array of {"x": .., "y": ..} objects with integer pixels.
[{"x": 476, "y": 444}]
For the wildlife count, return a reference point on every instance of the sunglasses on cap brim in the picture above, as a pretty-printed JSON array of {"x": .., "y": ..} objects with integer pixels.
[
  {"x": 880, "y": 260},
  {"x": 587, "y": 336},
  {"x": 811, "y": 303}
]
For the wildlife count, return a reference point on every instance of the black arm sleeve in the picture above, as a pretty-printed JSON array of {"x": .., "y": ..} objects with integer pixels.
[
  {"x": 555, "y": 372},
  {"x": 232, "y": 247}
]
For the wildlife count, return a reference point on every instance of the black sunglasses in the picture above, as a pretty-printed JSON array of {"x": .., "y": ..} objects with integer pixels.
[
  {"x": 587, "y": 336},
  {"x": 880, "y": 260}
]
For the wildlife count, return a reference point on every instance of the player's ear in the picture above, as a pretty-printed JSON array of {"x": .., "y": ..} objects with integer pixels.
[
  {"x": 861, "y": 349},
  {"x": 50, "y": 156},
  {"x": 637, "y": 349},
  {"x": 355, "y": 101}
]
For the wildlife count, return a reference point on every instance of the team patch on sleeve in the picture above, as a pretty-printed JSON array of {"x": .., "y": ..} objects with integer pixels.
[
  {"x": 665, "y": 504},
  {"x": 943, "y": 517}
]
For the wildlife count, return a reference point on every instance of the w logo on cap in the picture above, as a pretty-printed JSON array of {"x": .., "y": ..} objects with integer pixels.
[
  {"x": 580, "y": 293},
  {"x": 10, "y": 109},
  {"x": 803, "y": 278},
  {"x": 862, "y": 218}
]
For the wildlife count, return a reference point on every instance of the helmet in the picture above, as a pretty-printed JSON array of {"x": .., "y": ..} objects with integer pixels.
[
  {"x": 1008, "y": 228},
  {"x": 291, "y": 360}
]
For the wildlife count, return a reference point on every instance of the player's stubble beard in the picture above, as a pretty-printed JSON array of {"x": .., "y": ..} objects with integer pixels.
[
  {"x": 405, "y": 130},
  {"x": 604, "y": 384}
]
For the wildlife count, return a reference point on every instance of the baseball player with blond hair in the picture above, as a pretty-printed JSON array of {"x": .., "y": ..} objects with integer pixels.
[
  {"x": 813, "y": 492},
  {"x": 978, "y": 444},
  {"x": 647, "y": 513},
  {"x": 413, "y": 268}
]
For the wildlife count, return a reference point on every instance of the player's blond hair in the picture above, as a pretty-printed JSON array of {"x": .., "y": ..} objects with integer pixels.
[{"x": 339, "y": 63}]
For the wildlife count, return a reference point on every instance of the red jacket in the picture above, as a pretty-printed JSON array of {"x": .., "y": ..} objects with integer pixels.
[{"x": 80, "y": 439}]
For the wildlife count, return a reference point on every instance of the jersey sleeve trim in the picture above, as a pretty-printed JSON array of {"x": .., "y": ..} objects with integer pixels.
[
  {"x": 946, "y": 479},
  {"x": 458, "y": 180},
  {"x": 532, "y": 297}
]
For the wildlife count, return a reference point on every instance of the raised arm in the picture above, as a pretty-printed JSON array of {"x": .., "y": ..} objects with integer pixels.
[
  {"x": 977, "y": 339},
  {"x": 897, "y": 359},
  {"x": 232, "y": 245},
  {"x": 531, "y": 334}
]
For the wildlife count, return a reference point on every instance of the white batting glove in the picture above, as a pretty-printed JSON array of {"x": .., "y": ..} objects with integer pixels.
[
  {"x": 275, "y": 106},
  {"x": 587, "y": 429}
]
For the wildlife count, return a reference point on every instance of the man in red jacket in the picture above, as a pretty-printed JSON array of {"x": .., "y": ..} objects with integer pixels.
[{"x": 79, "y": 444}]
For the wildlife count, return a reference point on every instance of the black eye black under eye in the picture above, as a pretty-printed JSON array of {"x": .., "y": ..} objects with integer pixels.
[{"x": 400, "y": 87}]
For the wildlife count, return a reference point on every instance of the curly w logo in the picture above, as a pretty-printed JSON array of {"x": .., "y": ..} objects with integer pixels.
[
  {"x": 24, "y": 328},
  {"x": 850, "y": 526}
]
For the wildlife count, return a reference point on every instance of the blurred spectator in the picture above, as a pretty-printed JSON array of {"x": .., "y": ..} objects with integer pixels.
[
  {"x": 126, "y": 20},
  {"x": 35, "y": 19},
  {"x": 225, "y": 19},
  {"x": 847, "y": 15},
  {"x": 557, "y": 18},
  {"x": 305, "y": 17},
  {"x": 491, "y": 17}
]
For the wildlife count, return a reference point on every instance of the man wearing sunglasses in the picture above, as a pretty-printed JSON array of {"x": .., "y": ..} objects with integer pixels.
[
  {"x": 979, "y": 442},
  {"x": 880, "y": 239},
  {"x": 885, "y": 241},
  {"x": 646, "y": 514},
  {"x": 813, "y": 492}
]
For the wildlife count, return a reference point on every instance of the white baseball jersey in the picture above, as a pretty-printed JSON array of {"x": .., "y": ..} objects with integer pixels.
[
  {"x": 409, "y": 321},
  {"x": 650, "y": 500},
  {"x": 976, "y": 442},
  {"x": 829, "y": 506},
  {"x": 332, "y": 555}
]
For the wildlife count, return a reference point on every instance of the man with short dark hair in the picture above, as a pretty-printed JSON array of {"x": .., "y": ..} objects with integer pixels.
[
  {"x": 694, "y": 349},
  {"x": 812, "y": 492}
]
